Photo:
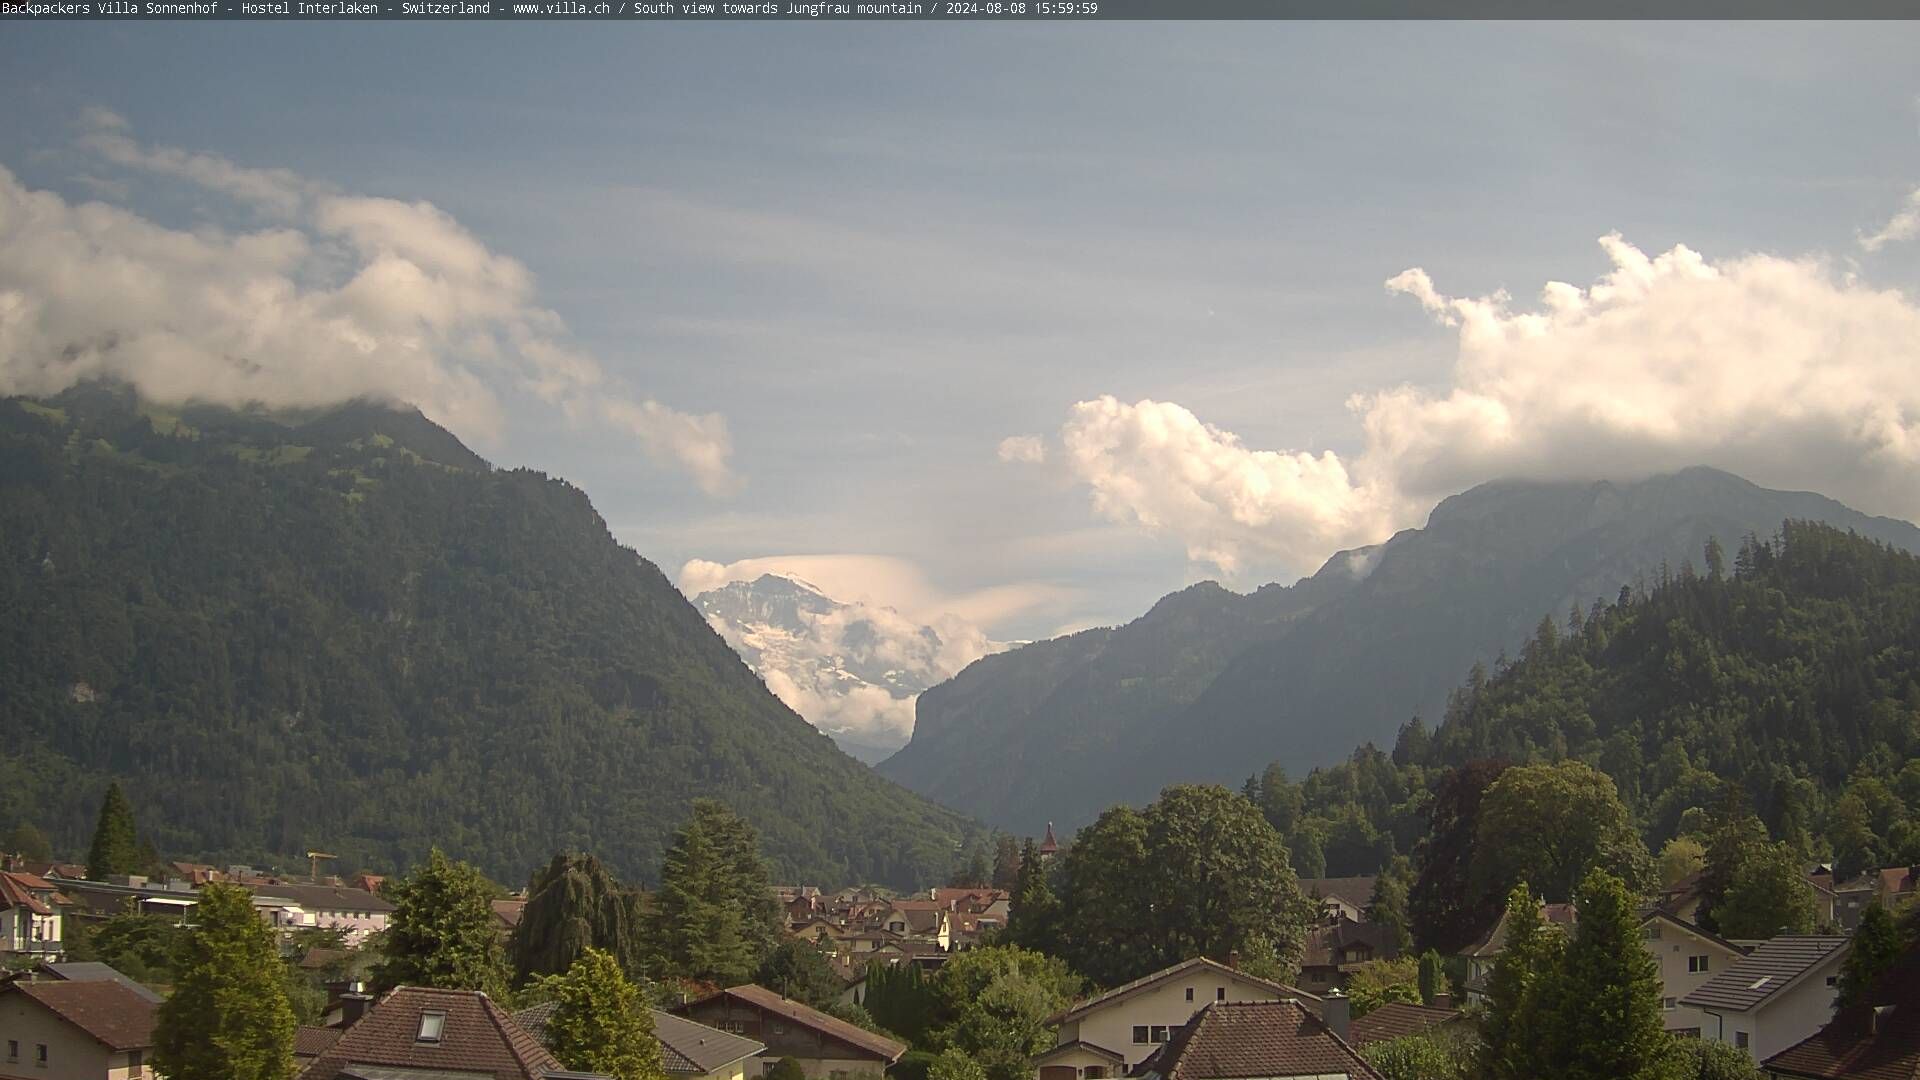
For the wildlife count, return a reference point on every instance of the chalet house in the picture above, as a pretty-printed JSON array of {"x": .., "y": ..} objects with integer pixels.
[
  {"x": 1773, "y": 997},
  {"x": 1340, "y": 896},
  {"x": 1334, "y": 950},
  {"x": 924, "y": 919},
  {"x": 30, "y": 926},
  {"x": 1689, "y": 957},
  {"x": 1267, "y": 1039},
  {"x": 697, "y": 1052},
  {"x": 1397, "y": 1019},
  {"x": 827, "y": 1047},
  {"x": 1877, "y": 1037},
  {"x": 428, "y": 1033},
  {"x": 354, "y": 912},
  {"x": 1895, "y": 885},
  {"x": 75, "y": 1030},
  {"x": 1110, "y": 1034}
]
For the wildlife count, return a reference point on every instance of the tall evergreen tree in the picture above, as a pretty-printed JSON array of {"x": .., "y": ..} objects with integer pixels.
[
  {"x": 1387, "y": 906},
  {"x": 228, "y": 1017},
  {"x": 715, "y": 917},
  {"x": 1433, "y": 977},
  {"x": 442, "y": 932},
  {"x": 1877, "y": 944},
  {"x": 1606, "y": 1022},
  {"x": 1446, "y": 913},
  {"x": 116, "y": 847},
  {"x": 1732, "y": 833},
  {"x": 1033, "y": 916},
  {"x": 1006, "y": 862},
  {"x": 573, "y": 904},
  {"x": 601, "y": 1022},
  {"x": 972, "y": 871},
  {"x": 1514, "y": 1027}
]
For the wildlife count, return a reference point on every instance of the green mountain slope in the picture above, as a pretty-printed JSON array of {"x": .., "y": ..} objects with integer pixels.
[
  {"x": 1340, "y": 659},
  {"x": 345, "y": 631}
]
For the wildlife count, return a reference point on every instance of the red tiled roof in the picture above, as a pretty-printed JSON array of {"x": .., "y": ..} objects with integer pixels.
[
  {"x": 1850, "y": 1047},
  {"x": 311, "y": 1042},
  {"x": 1397, "y": 1018},
  {"x": 766, "y": 1000},
  {"x": 1226, "y": 1040},
  {"x": 14, "y": 892},
  {"x": 106, "y": 1010},
  {"x": 478, "y": 1037}
]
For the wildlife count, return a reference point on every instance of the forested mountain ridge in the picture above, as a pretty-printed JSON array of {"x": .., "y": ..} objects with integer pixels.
[
  {"x": 343, "y": 630},
  {"x": 1374, "y": 638}
]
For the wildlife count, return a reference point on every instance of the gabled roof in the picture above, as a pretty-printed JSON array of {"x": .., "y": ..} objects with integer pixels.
[
  {"x": 1396, "y": 1019},
  {"x": 1877, "y": 1039},
  {"x": 1148, "y": 982},
  {"x": 1079, "y": 1044},
  {"x": 1495, "y": 940},
  {"x": 1228, "y": 1040},
  {"x": 1701, "y": 932},
  {"x": 311, "y": 1042},
  {"x": 690, "y": 1048},
  {"x": 15, "y": 892},
  {"x": 766, "y": 1000},
  {"x": 110, "y": 1013},
  {"x": 1357, "y": 891},
  {"x": 1324, "y": 942},
  {"x": 1754, "y": 979},
  {"x": 90, "y": 971},
  {"x": 478, "y": 1037}
]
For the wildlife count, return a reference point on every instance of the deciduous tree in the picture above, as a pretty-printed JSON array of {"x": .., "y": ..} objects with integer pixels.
[
  {"x": 442, "y": 932},
  {"x": 601, "y": 1022},
  {"x": 228, "y": 1017}
]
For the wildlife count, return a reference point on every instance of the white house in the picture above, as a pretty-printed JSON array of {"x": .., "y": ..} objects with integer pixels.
[
  {"x": 356, "y": 913},
  {"x": 1773, "y": 997},
  {"x": 1105, "y": 1036},
  {"x": 29, "y": 920},
  {"x": 1689, "y": 958}
]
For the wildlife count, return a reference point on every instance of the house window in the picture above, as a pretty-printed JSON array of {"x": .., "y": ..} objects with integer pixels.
[
  {"x": 1740, "y": 1039},
  {"x": 40, "y": 1054},
  {"x": 1833, "y": 980},
  {"x": 1668, "y": 1003},
  {"x": 1189, "y": 993},
  {"x": 432, "y": 1026},
  {"x": 1696, "y": 964},
  {"x": 1219, "y": 993},
  {"x": 1094, "y": 1072},
  {"x": 1140, "y": 1033},
  {"x": 136, "y": 1062},
  {"x": 1652, "y": 932},
  {"x": 13, "y": 1049},
  {"x": 1159, "y": 1033}
]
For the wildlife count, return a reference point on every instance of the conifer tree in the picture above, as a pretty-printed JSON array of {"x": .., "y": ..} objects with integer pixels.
[
  {"x": 1032, "y": 916},
  {"x": 1432, "y": 976},
  {"x": 116, "y": 847},
  {"x": 442, "y": 932},
  {"x": 1514, "y": 1027},
  {"x": 715, "y": 916},
  {"x": 1877, "y": 943},
  {"x": 601, "y": 1022},
  {"x": 1006, "y": 862},
  {"x": 228, "y": 1016},
  {"x": 1605, "y": 1003}
]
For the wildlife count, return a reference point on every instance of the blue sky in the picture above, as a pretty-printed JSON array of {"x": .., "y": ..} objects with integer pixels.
[{"x": 878, "y": 251}]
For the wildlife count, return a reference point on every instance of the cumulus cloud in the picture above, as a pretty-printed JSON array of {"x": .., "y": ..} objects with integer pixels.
[
  {"x": 1775, "y": 368},
  {"x": 1024, "y": 449},
  {"x": 1904, "y": 225},
  {"x": 337, "y": 296}
]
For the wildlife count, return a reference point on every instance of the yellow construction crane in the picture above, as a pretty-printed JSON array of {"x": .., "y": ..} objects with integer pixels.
[{"x": 313, "y": 862}]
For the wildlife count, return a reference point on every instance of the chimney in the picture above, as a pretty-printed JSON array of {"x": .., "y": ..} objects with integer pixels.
[
  {"x": 1443, "y": 1001},
  {"x": 1877, "y": 1019},
  {"x": 353, "y": 1007},
  {"x": 1337, "y": 1011},
  {"x": 1233, "y": 959}
]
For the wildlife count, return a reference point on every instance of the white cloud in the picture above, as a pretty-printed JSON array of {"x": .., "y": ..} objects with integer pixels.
[
  {"x": 883, "y": 581},
  {"x": 1904, "y": 225},
  {"x": 1771, "y": 367},
  {"x": 344, "y": 296},
  {"x": 1025, "y": 449}
]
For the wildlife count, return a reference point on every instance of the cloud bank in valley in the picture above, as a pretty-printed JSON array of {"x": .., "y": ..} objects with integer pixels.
[
  {"x": 329, "y": 296},
  {"x": 1779, "y": 369}
]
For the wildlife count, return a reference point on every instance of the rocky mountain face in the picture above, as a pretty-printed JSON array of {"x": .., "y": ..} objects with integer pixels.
[
  {"x": 853, "y": 670},
  {"x": 1211, "y": 685}
]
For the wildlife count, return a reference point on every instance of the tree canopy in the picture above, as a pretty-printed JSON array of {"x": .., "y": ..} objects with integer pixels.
[
  {"x": 228, "y": 1017},
  {"x": 442, "y": 932}
]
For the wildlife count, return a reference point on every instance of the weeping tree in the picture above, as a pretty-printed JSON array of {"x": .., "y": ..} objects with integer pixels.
[{"x": 574, "y": 904}]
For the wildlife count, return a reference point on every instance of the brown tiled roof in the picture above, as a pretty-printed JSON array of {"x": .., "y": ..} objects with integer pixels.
[
  {"x": 1496, "y": 939},
  {"x": 509, "y": 912},
  {"x": 1354, "y": 890},
  {"x": 1323, "y": 942},
  {"x": 1397, "y": 1018},
  {"x": 1227, "y": 1040},
  {"x": 766, "y": 1000},
  {"x": 1769, "y": 969},
  {"x": 14, "y": 892},
  {"x": 478, "y": 1037},
  {"x": 1147, "y": 982},
  {"x": 311, "y": 1042},
  {"x": 1851, "y": 1047},
  {"x": 106, "y": 1010}
]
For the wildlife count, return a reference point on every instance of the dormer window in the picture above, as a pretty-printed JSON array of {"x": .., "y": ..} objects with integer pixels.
[{"x": 432, "y": 1026}]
